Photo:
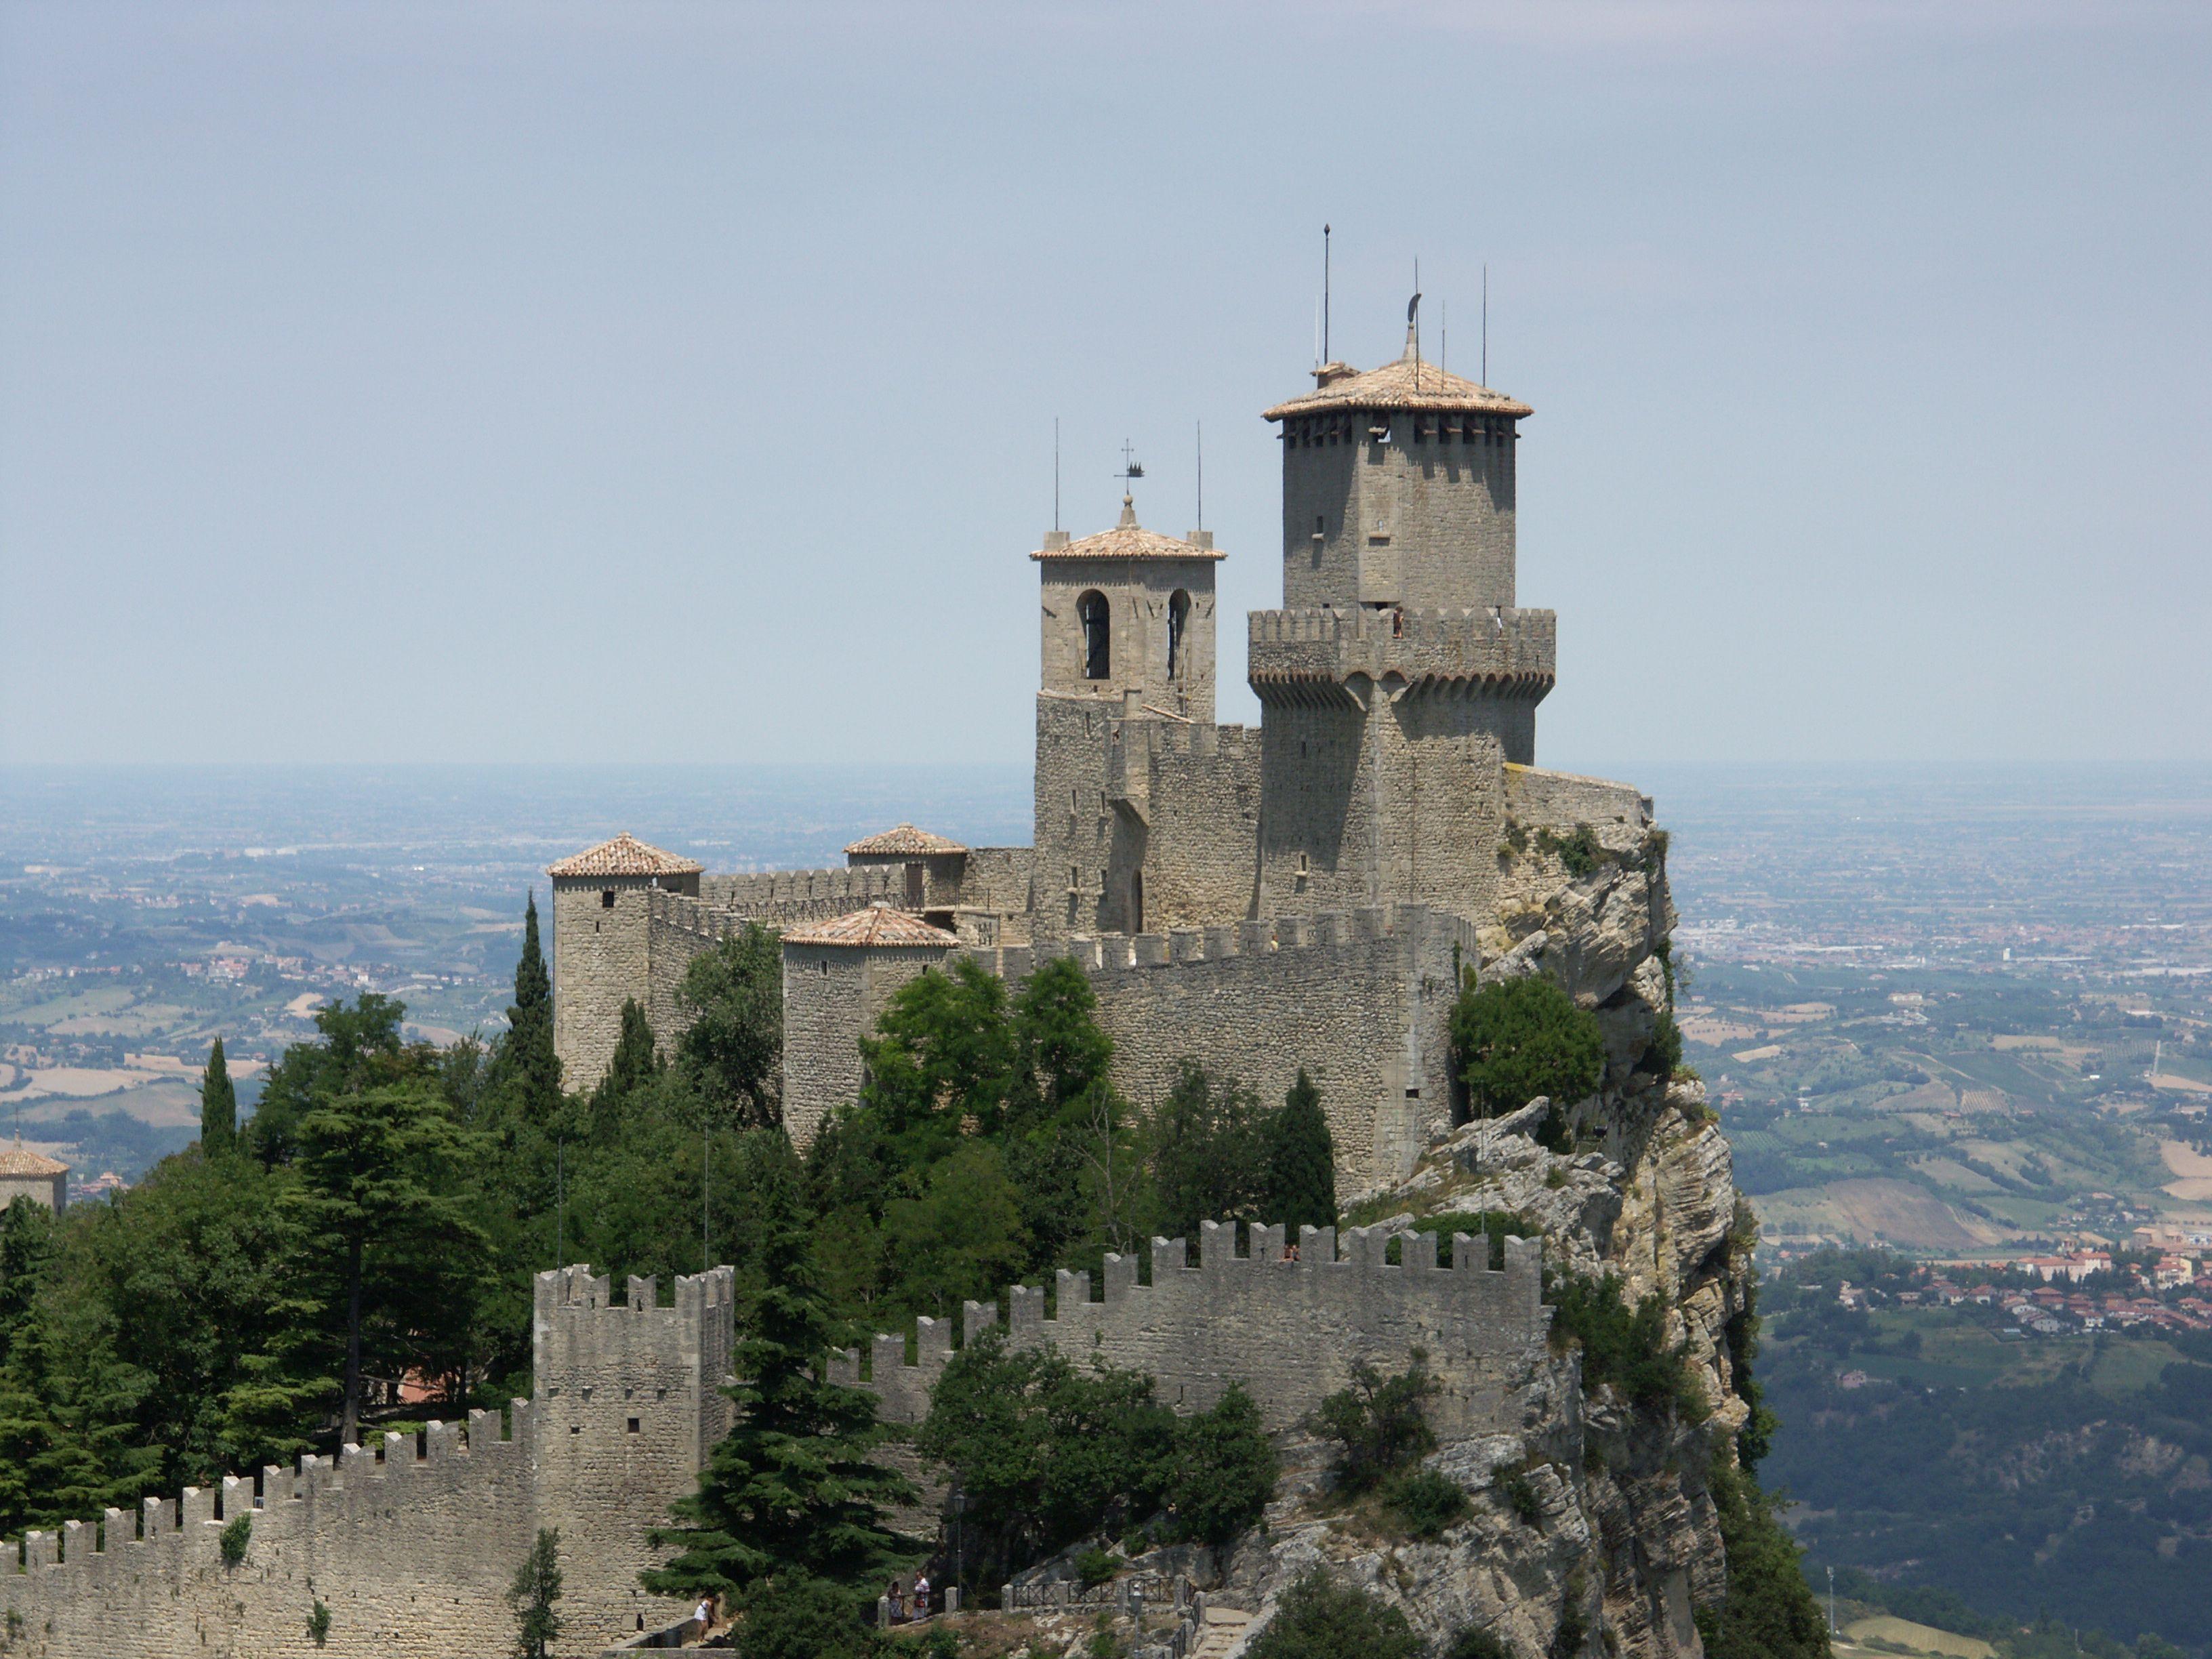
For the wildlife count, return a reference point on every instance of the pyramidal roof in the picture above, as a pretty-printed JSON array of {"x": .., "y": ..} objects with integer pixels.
[
  {"x": 625, "y": 855},
  {"x": 905, "y": 839},
  {"x": 1129, "y": 540},
  {"x": 15, "y": 1161},
  {"x": 877, "y": 927},
  {"x": 1408, "y": 383}
]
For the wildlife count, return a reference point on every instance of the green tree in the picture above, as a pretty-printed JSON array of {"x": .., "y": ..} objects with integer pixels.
[
  {"x": 803, "y": 1617},
  {"x": 526, "y": 1061},
  {"x": 1205, "y": 1154},
  {"x": 535, "y": 1588},
  {"x": 636, "y": 1065},
  {"x": 945, "y": 1051},
  {"x": 1224, "y": 1471},
  {"x": 733, "y": 1047},
  {"x": 962, "y": 1237},
  {"x": 1044, "y": 1452},
  {"x": 1059, "y": 1053},
  {"x": 791, "y": 1490},
  {"x": 359, "y": 1046},
  {"x": 1319, "y": 1618},
  {"x": 1380, "y": 1424},
  {"x": 218, "y": 1105},
  {"x": 1516, "y": 1039},
  {"x": 376, "y": 1171},
  {"x": 1769, "y": 1612},
  {"x": 1300, "y": 1162},
  {"x": 27, "y": 1255}
]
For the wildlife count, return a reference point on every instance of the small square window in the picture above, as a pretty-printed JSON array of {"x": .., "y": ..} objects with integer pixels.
[
  {"x": 606, "y": 898},
  {"x": 633, "y": 1426}
]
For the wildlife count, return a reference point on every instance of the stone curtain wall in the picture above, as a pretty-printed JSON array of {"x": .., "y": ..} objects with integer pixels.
[
  {"x": 1288, "y": 1330},
  {"x": 1363, "y": 1001},
  {"x": 412, "y": 1549}
]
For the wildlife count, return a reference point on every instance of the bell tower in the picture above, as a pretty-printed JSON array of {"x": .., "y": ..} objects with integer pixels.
[{"x": 1127, "y": 618}]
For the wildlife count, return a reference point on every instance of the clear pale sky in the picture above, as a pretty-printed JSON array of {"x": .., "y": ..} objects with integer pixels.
[{"x": 519, "y": 382}]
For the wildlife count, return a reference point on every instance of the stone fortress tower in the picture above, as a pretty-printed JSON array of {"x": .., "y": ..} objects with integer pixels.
[{"x": 1307, "y": 894}]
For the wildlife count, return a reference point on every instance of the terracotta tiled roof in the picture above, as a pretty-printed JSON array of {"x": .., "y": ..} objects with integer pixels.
[
  {"x": 1129, "y": 540},
  {"x": 14, "y": 1161},
  {"x": 877, "y": 927},
  {"x": 905, "y": 839},
  {"x": 1406, "y": 383},
  {"x": 625, "y": 855}
]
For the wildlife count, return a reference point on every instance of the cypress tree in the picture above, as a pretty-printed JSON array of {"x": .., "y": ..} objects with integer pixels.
[
  {"x": 528, "y": 1052},
  {"x": 218, "y": 1105},
  {"x": 1301, "y": 1163}
]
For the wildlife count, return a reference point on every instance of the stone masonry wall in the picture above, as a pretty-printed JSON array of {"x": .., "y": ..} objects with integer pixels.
[
  {"x": 1362, "y": 1001},
  {"x": 412, "y": 1545},
  {"x": 1288, "y": 1330},
  {"x": 833, "y": 995},
  {"x": 1426, "y": 519},
  {"x": 601, "y": 959}
]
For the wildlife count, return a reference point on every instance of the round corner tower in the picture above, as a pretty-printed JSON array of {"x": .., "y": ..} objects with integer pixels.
[{"x": 1399, "y": 679}]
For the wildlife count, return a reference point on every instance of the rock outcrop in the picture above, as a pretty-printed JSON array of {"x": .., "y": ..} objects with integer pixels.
[{"x": 1593, "y": 1532}]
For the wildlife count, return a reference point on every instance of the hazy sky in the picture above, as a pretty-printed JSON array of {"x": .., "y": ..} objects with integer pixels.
[{"x": 656, "y": 380}]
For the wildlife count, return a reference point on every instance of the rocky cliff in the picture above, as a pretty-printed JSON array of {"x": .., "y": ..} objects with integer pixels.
[{"x": 1594, "y": 1529}]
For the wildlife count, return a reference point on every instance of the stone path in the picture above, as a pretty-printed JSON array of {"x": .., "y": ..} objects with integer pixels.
[{"x": 1222, "y": 1633}]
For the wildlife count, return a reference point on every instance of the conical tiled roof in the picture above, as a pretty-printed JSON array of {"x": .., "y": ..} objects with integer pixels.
[
  {"x": 905, "y": 839},
  {"x": 879, "y": 927},
  {"x": 625, "y": 855},
  {"x": 1409, "y": 383},
  {"x": 15, "y": 1161}
]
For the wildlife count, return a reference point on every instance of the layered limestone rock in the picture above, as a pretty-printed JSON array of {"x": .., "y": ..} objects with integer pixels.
[{"x": 1592, "y": 1531}]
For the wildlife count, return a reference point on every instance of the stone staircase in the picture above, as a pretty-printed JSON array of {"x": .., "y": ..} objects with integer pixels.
[{"x": 1221, "y": 1633}]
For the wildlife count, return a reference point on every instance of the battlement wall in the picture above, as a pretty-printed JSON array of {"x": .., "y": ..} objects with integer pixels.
[
  {"x": 771, "y": 895},
  {"x": 1289, "y": 1330},
  {"x": 1501, "y": 650},
  {"x": 411, "y": 1542}
]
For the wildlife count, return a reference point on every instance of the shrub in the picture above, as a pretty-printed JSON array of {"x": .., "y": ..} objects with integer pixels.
[
  {"x": 1472, "y": 1643},
  {"x": 319, "y": 1623},
  {"x": 1663, "y": 1058},
  {"x": 1378, "y": 1422},
  {"x": 235, "y": 1538},
  {"x": 1425, "y": 1502},
  {"x": 1094, "y": 1566},
  {"x": 1578, "y": 851},
  {"x": 1516, "y": 1039},
  {"x": 804, "y": 1617},
  {"x": 1770, "y": 1612},
  {"x": 1320, "y": 1619},
  {"x": 1225, "y": 1469},
  {"x": 1623, "y": 1347},
  {"x": 1519, "y": 1493}
]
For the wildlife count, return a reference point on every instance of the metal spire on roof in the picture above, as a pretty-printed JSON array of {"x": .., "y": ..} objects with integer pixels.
[{"x": 1132, "y": 468}]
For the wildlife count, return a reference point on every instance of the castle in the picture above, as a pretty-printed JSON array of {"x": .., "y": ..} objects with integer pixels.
[
  {"x": 1304, "y": 895},
  {"x": 1312, "y": 894}
]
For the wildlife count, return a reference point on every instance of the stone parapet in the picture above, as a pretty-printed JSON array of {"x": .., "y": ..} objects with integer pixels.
[{"x": 1498, "y": 651}]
